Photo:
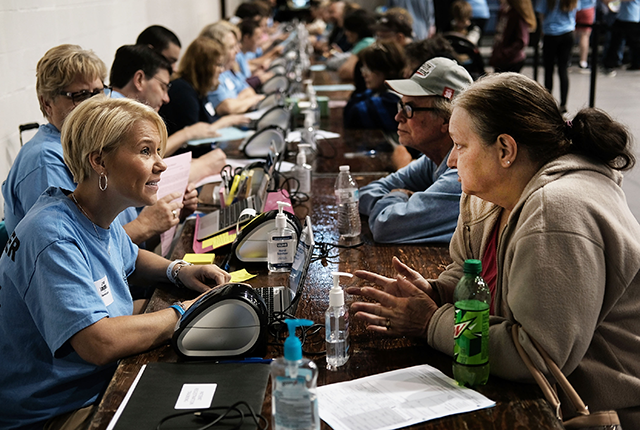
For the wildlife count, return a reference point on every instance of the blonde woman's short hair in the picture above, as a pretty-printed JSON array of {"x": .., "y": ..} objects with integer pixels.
[
  {"x": 60, "y": 66},
  {"x": 218, "y": 30},
  {"x": 102, "y": 125}
]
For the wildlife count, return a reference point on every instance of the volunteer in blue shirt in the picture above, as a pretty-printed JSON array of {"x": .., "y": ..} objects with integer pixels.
[
  {"x": 66, "y": 314},
  {"x": 67, "y": 75},
  {"x": 233, "y": 95},
  {"x": 420, "y": 202}
]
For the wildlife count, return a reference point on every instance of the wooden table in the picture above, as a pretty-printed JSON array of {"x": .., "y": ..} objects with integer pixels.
[{"x": 517, "y": 405}]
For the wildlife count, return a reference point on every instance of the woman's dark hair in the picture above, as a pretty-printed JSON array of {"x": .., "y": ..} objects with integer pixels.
[
  {"x": 510, "y": 103},
  {"x": 248, "y": 27},
  {"x": 384, "y": 57},
  {"x": 361, "y": 22},
  {"x": 424, "y": 50},
  {"x": 199, "y": 62}
]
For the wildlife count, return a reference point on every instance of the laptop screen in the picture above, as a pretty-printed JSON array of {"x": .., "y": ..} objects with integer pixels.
[{"x": 302, "y": 259}]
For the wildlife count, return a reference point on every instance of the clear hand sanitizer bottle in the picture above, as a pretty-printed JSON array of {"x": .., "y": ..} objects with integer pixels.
[
  {"x": 281, "y": 243},
  {"x": 336, "y": 322},
  {"x": 302, "y": 171},
  {"x": 294, "y": 402}
]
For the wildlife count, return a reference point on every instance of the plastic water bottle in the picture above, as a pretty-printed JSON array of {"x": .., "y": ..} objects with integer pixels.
[
  {"x": 472, "y": 300},
  {"x": 347, "y": 196}
]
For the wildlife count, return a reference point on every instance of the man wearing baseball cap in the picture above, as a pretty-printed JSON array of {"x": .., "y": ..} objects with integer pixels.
[{"x": 420, "y": 202}]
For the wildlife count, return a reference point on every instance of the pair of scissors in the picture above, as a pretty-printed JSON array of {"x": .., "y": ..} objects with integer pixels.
[{"x": 227, "y": 175}]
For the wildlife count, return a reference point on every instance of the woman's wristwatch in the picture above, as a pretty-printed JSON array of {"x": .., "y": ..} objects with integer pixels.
[{"x": 174, "y": 269}]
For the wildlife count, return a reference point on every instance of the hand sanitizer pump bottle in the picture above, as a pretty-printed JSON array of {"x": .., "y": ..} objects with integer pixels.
[
  {"x": 281, "y": 243},
  {"x": 302, "y": 171},
  {"x": 294, "y": 402},
  {"x": 336, "y": 322}
]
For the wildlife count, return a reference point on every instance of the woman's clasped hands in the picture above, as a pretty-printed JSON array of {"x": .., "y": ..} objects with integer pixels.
[{"x": 404, "y": 305}]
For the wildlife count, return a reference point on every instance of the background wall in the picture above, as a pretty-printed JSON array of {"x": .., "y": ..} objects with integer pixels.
[{"x": 28, "y": 28}]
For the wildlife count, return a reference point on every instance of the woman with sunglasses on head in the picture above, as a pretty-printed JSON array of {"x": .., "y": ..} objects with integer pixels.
[
  {"x": 66, "y": 76},
  {"x": 377, "y": 106},
  {"x": 544, "y": 210},
  {"x": 67, "y": 315}
]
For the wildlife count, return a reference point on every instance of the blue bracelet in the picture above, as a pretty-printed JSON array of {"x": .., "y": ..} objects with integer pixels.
[{"x": 178, "y": 307}]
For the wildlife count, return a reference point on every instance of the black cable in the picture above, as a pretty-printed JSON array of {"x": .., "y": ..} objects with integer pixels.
[
  {"x": 216, "y": 417},
  {"x": 324, "y": 250}
]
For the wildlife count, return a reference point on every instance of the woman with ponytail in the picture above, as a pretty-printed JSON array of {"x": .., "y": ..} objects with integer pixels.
[{"x": 543, "y": 209}]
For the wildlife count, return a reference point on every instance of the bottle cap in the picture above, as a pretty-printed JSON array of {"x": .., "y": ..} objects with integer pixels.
[
  {"x": 292, "y": 345},
  {"x": 281, "y": 219},
  {"x": 472, "y": 267},
  {"x": 336, "y": 295},
  {"x": 345, "y": 168}
]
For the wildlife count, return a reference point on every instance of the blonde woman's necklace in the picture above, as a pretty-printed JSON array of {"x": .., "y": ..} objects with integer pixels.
[{"x": 95, "y": 228}]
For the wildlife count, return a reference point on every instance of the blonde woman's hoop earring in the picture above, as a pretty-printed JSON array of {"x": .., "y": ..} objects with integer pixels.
[{"x": 106, "y": 182}]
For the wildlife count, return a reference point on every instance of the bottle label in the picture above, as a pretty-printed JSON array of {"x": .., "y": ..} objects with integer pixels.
[
  {"x": 293, "y": 403},
  {"x": 348, "y": 195},
  {"x": 471, "y": 333}
]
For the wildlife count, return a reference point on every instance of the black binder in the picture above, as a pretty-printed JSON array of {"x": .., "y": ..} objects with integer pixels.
[{"x": 156, "y": 393}]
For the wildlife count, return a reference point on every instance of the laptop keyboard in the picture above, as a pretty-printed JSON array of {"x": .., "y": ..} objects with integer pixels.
[
  {"x": 267, "y": 295},
  {"x": 229, "y": 215}
]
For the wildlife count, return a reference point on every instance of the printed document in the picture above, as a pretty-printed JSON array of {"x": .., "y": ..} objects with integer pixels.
[{"x": 396, "y": 399}]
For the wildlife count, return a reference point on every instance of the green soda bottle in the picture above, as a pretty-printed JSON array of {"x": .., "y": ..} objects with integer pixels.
[{"x": 471, "y": 299}]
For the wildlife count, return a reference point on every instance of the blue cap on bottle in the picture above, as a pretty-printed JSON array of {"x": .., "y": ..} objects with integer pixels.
[{"x": 292, "y": 345}]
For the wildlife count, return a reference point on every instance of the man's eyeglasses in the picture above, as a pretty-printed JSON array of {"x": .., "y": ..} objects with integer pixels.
[
  {"x": 166, "y": 86},
  {"x": 82, "y": 95},
  {"x": 408, "y": 110}
]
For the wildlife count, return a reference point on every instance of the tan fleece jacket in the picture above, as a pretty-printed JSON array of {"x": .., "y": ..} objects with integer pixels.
[{"x": 568, "y": 264}]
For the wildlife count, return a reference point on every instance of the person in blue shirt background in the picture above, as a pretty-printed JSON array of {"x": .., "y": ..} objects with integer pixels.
[
  {"x": 626, "y": 28},
  {"x": 66, "y": 313},
  {"x": 377, "y": 106},
  {"x": 233, "y": 95},
  {"x": 420, "y": 203},
  {"x": 558, "y": 24}
]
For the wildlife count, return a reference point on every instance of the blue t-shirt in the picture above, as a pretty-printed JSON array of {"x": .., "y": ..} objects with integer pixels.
[
  {"x": 431, "y": 213},
  {"x": 629, "y": 11},
  {"x": 556, "y": 22},
  {"x": 57, "y": 278},
  {"x": 38, "y": 166},
  {"x": 243, "y": 61},
  {"x": 230, "y": 86},
  {"x": 480, "y": 8}
]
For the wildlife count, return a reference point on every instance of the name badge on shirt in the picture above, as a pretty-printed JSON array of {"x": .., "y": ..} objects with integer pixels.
[
  {"x": 229, "y": 83},
  {"x": 209, "y": 107},
  {"x": 104, "y": 290}
]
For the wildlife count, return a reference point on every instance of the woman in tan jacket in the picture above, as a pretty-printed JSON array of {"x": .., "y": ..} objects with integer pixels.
[{"x": 544, "y": 210}]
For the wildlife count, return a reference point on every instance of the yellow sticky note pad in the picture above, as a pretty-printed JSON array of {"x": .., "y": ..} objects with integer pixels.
[
  {"x": 219, "y": 240},
  {"x": 199, "y": 258},
  {"x": 241, "y": 275}
]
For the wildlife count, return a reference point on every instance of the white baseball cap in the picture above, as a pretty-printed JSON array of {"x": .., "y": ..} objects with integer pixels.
[{"x": 436, "y": 77}]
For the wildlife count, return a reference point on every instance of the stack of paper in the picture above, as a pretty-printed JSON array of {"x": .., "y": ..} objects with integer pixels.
[{"x": 396, "y": 399}]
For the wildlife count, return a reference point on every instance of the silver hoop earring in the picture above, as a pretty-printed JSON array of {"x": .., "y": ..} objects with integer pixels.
[{"x": 106, "y": 182}]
